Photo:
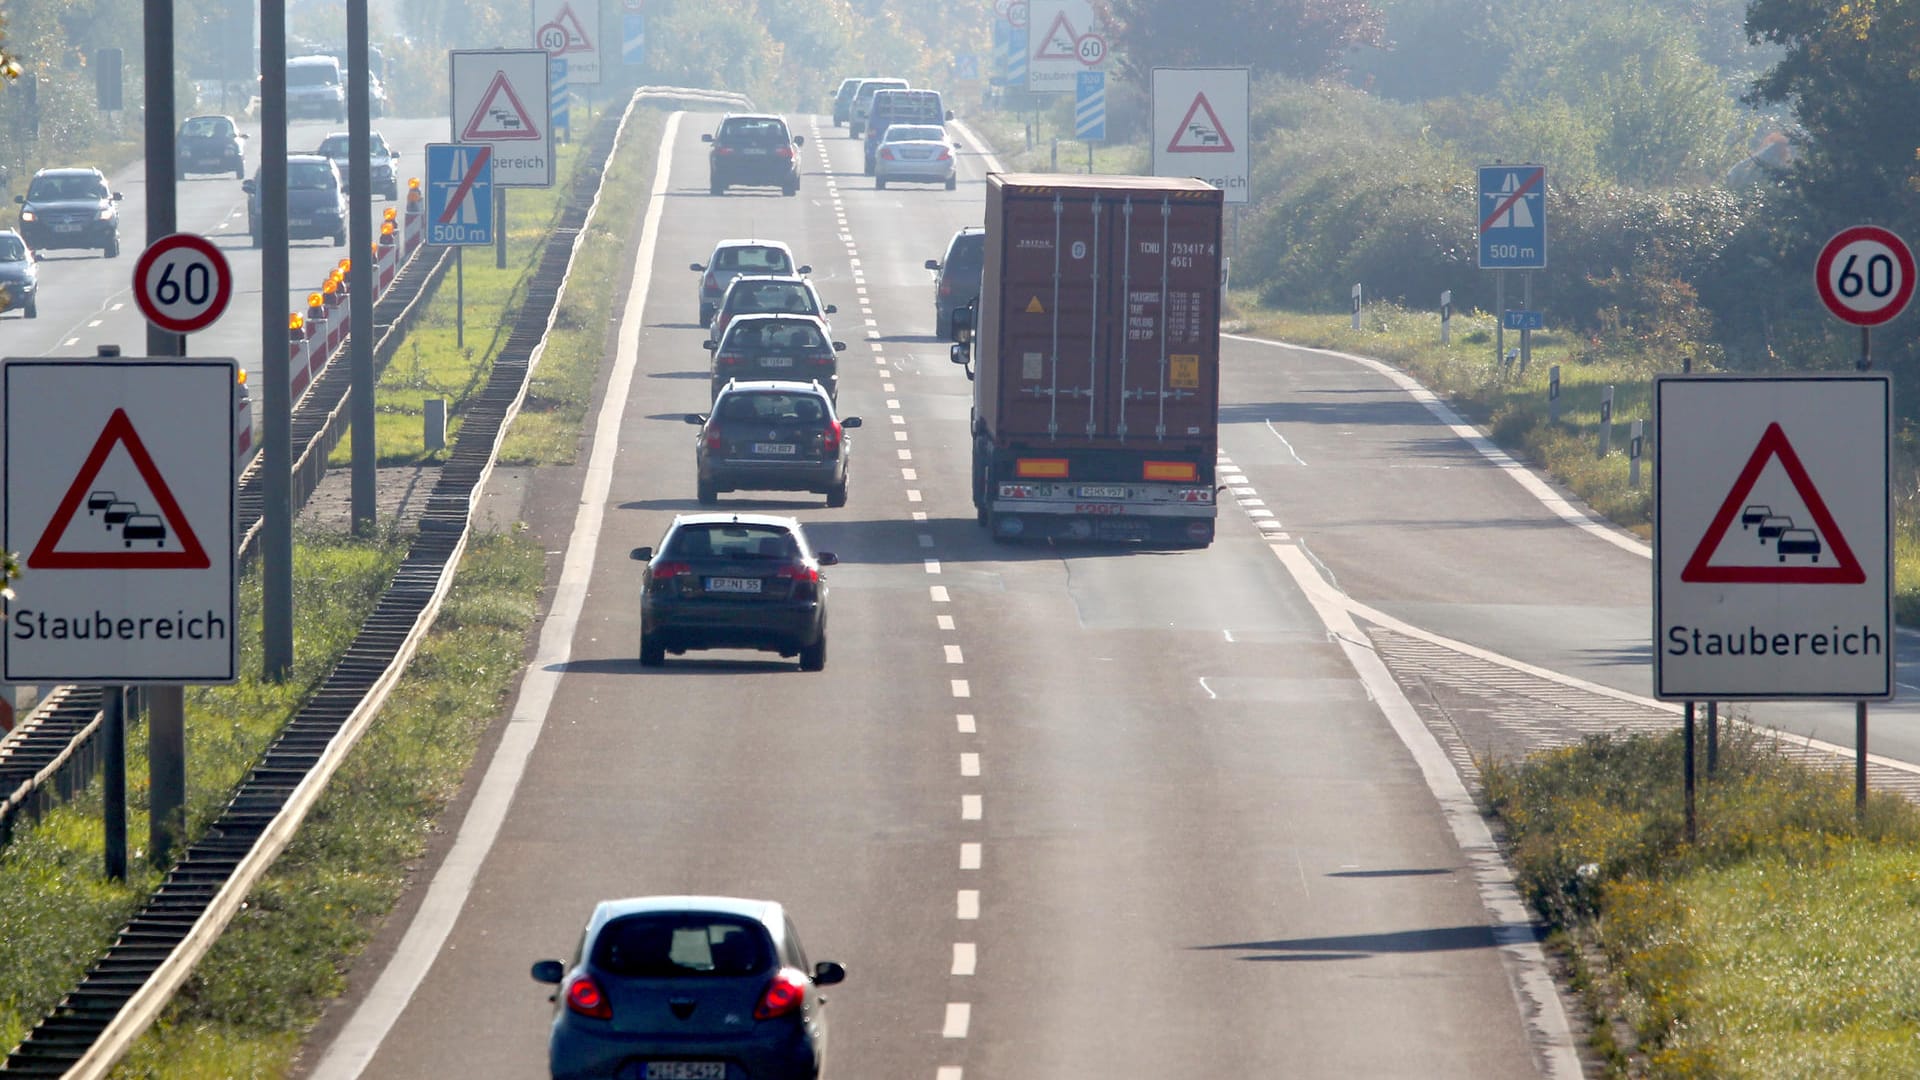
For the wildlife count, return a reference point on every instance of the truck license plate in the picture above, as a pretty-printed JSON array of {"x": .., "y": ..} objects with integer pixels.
[{"x": 1103, "y": 491}]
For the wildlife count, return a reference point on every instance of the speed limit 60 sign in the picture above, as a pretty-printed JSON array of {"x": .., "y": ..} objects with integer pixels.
[
  {"x": 1865, "y": 275},
  {"x": 182, "y": 283}
]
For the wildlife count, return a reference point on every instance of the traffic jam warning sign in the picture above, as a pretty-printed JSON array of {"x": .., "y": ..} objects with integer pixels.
[
  {"x": 500, "y": 96},
  {"x": 1200, "y": 127},
  {"x": 570, "y": 29},
  {"x": 1773, "y": 537},
  {"x": 119, "y": 487}
]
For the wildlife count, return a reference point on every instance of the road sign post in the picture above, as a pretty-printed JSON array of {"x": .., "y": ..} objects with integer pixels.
[
  {"x": 1201, "y": 127},
  {"x": 460, "y": 211},
  {"x": 1062, "y": 34},
  {"x": 499, "y": 97},
  {"x": 1090, "y": 109}
]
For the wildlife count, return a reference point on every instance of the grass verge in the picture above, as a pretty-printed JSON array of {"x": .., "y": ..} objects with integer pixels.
[{"x": 1785, "y": 942}]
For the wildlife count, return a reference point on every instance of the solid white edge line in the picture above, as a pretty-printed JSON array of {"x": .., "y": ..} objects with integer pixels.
[
  {"x": 375, "y": 1016},
  {"x": 1499, "y": 458},
  {"x": 1534, "y": 989}
]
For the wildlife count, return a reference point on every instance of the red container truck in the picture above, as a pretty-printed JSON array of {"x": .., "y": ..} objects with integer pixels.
[{"x": 1095, "y": 353}]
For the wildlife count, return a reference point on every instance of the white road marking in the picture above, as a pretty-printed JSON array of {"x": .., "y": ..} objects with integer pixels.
[
  {"x": 886, "y": 387},
  {"x": 95, "y": 323},
  {"x": 898, "y": 419},
  {"x": 909, "y": 474},
  {"x": 965, "y": 957},
  {"x": 970, "y": 855},
  {"x": 452, "y": 884},
  {"x": 1229, "y": 636},
  {"x": 913, "y": 494},
  {"x": 964, "y": 722},
  {"x": 876, "y": 346},
  {"x": 932, "y": 565},
  {"x": 970, "y": 764},
  {"x": 959, "y": 1014},
  {"x": 1259, "y": 513},
  {"x": 862, "y": 290},
  {"x": 893, "y": 403},
  {"x": 1251, "y": 501},
  {"x": 71, "y": 341},
  {"x": 1285, "y": 443},
  {"x": 944, "y": 622},
  {"x": 961, "y": 689},
  {"x": 1210, "y": 694},
  {"x": 966, "y": 904},
  {"x": 899, "y": 436},
  {"x": 919, "y": 515},
  {"x": 122, "y": 303},
  {"x": 939, "y": 594},
  {"x": 1243, "y": 491},
  {"x": 904, "y": 454},
  {"x": 948, "y": 1072},
  {"x": 953, "y": 654},
  {"x": 872, "y": 322}
]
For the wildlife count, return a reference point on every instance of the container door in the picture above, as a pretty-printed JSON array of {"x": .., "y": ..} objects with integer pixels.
[
  {"x": 1053, "y": 305},
  {"x": 1166, "y": 279}
]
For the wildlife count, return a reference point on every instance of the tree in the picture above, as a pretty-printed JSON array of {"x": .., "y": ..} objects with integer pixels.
[{"x": 1301, "y": 39}]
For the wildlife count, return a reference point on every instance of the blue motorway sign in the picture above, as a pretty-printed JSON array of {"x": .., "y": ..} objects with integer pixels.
[
  {"x": 558, "y": 98},
  {"x": 1090, "y": 106},
  {"x": 1513, "y": 217},
  {"x": 460, "y": 193},
  {"x": 1523, "y": 320},
  {"x": 633, "y": 38}
]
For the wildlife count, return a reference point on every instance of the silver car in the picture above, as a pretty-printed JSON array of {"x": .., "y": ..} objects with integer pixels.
[
  {"x": 917, "y": 153},
  {"x": 732, "y": 258}
]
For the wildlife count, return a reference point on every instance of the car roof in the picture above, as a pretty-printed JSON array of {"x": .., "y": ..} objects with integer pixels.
[
  {"x": 748, "y": 318},
  {"x": 312, "y": 158},
  {"x": 783, "y": 386},
  {"x": 749, "y": 242},
  {"x": 665, "y": 903},
  {"x": 210, "y": 116},
  {"x": 71, "y": 170},
  {"x": 752, "y": 116}
]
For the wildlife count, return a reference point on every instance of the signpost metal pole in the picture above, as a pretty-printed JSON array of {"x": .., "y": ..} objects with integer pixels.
[
  {"x": 1713, "y": 737},
  {"x": 1526, "y": 332},
  {"x": 166, "y": 731},
  {"x": 1500, "y": 324},
  {"x": 360, "y": 274},
  {"x": 499, "y": 228},
  {"x": 1687, "y": 754},
  {"x": 459, "y": 298},
  {"x": 276, "y": 406},
  {"x": 1860, "y": 707}
]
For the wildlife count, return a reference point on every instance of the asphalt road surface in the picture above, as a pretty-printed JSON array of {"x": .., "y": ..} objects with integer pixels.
[{"x": 1063, "y": 812}]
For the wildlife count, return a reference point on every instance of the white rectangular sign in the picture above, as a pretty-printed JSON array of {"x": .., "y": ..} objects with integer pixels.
[
  {"x": 1064, "y": 38},
  {"x": 500, "y": 96},
  {"x": 570, "y": 30},
  {"x": 1200, "y": 127},
  {"x": 119, "y": 500},
  {"x": 1773, "y": 537}
]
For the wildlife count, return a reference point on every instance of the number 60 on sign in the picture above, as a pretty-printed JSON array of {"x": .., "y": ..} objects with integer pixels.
[
  {"x": 1865, "y": 275},
  {"x": 182, "y": 283}
]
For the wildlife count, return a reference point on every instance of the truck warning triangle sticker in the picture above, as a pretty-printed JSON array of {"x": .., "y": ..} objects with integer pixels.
[
  {"x": 1034, "y": 308},
  {"x": 500, "y": 116},
  {"x": 1200, "y": 131},
  {"x": 1060, "y": 43},
  {"x": 1797, "y": 549},
  {"x": 577, "y": 39},
  {"x": 137, "y": 525}
]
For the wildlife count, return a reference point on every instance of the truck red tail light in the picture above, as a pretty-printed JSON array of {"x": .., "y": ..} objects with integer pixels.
[
  {"x": 585, "y": 998},
  {"x": 784, "y": 995},
  {"x": 830, "y": 439}
]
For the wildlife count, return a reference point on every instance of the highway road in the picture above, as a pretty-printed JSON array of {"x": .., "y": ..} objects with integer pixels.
[
  {"x": 87, "y": 301},
  {"x": 1063, "y": 812}
]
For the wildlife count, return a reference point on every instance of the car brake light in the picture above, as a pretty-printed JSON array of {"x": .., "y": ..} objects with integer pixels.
[
  {"x": 784, "y": 995},
  {"x": 944, "y": 155},
  {"x": 823, "y": 359},
  {"x": 723, "y": 150},
  {"x": 785, "y": 151},
  {"x": 584, "y": 997},
  {"x": 798, "y": 572},
  {"x": 727, "y": 359},
  {"x": 713, "y": 440},
  {"x": 888, "y": 154},
  {"x": 830, "y": 440},
  {"x": 671, "y": 570},
  {"x": 712, "y": 284},
  {"x": 946, "y": 289}
]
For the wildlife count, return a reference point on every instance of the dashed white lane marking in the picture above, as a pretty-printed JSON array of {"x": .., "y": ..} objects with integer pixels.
[
  {"x": 893, "y": 403},
  {"x": 959, "y": 1015},
  {"x": 932, "y": 565},
  {"x": 1260, "y": 513},
  {"x": 861, "y": 289},
  {"x": 913, "y": 494},
  {"x": 905, "y": 454},
  {"x": 876, "y": 346},
  {"x": 965, "y": 723},
  {"x": 939, "y": 594},
  {"x": 95, "y": 323},
  {"x": 873, "y": 322},
  {"x": 886, "y": 387},
  {"x": 966, "y": 904},
  {"x": 909, "y": 474},
  {"x": 123, "y": 303},
  {"x": 899, "y": 436},
  {"x": 71, "y": 341},
  {"x": 965, "y": 958},
  {"x": 961, "y": 689},
  {"x": 945, "y": 622},
  {"x": 919, "y": 515},
  {"x": 970, "y": 855},
  {"x": 953, "y": 654},
  {"x": 898, "y": 419},
  {"x": 969, "y": 764},
  {"x": 948, "y": 1072},
  {"x": 970, "y": 808},
  {"x": 1251, "y": 501}
]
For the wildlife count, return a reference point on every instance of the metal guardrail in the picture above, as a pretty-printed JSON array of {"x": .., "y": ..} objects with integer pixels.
[{"x": 153, "y": 954}]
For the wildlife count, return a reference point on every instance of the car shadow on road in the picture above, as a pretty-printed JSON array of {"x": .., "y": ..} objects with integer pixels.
[
  {"x": 675, "y": 665},
  {"x": 1360, "y": 946}
]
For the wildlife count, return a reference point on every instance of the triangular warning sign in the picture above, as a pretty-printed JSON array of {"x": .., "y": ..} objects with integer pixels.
[
  {"x": 500, "y": 116},
  {"x": 577, "y": 39},
  {"x": 1034, "y": 308},
  {"x": 1198, "y": 133},
  {"x": 1060, "y": 42},
  {"x": 1844, "y": 569},
  {"x": 137, "y": 524}
]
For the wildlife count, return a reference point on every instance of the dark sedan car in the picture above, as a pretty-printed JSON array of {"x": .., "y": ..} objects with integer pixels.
[
  {"x": 772, "y": 436},
  {"x": 770, "y": 346},
  {"x": 19, "y": 277},
  {"x": 734, "y": 581},
  {"x": 688, "y": 988},
  {"x": 753, "y": 151},
  {"x": 70, "y": 208},
  {"x": 381, "y": 170},
  {"x": 209, "y": 144},
  {"x": 316, "y": 201}
]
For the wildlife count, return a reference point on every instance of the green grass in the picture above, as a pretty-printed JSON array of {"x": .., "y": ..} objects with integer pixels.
[{"x": 1786, "y": 942}]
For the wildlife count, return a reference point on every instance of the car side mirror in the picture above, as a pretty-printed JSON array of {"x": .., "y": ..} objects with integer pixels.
[
  {"x": 709, "y": 345},
  {"x": 640, "y": 554},
  {"x": 949, "y": 114},
  {"x": 827, "y": 558},
  {"x": 831, "y": 310},
  {"x": 695, "y": 418},
  {"x": 804, "y": 270},
  {"x": 697, "y": 268},
  {"x": 962, "y": 322},
  {"x": 959, "y": 355},
  {"x": 707, "y": 137},
  {"x": 248, "y": 186},
  {"x": 21, "y": 199},
  {"x": 826, "y": 973},
  {"x": 118, "y": 195},
  {"x": 933, "y": 264},
  {"x": 799, "y": 140},
  {"x": 849, "y": 421},
  {"x": 37, "y": 256},
  {"x": 393, "y": 155},
  {"x": 552, "y": 971},
  {"x": 839, "y": 346}
]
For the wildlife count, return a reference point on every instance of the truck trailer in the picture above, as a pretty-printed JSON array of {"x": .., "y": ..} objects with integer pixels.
[{"x": 1094, "y": 352}]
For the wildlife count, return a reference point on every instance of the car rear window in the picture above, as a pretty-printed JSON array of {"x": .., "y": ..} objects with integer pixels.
[
  {"x": 681, "y": 946},
  {"x": 907, "y": 132},
  {"x": 767, "y": 405},
  {"x": 753, "y": 260},
  {"x": 312, "y": 75},
  {"x": 731, "y": 540},
  {"x": 969, "y": 249},
  {"x": 772, "y": 132},
  {"x": 774, "y": 334},
  {"x": 308, "y": 176},
  {"x": 763, "y": 298},
  {"x": 206, "y": 127},
  {"x": 12, "y": 249}
]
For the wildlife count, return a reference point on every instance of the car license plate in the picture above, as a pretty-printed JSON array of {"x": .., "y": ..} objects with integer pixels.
[
  {"x": 686, "y": 1070},
  {"x": 773, "y": 448},
  {"x": 733, "y": 585},
  {"x": 299, "y": 221},
  {"x": 69, "y": 227},
  {"x": 1103, "y": 491},
  {"x": 776, "y": 361},
  {"x": 755, "y": 151}
]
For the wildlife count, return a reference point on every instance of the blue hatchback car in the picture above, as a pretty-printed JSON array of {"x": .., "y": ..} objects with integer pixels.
[{"x": 688, "y": 988}]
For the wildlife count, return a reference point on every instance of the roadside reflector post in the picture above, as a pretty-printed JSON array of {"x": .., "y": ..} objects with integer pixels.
[
  {"x": 1356, "y": 305},
  {"x": 1446, "y": 317},
  {"x": 1553, "y": 394},
  {"x": 1634, "y": 444},
  {"x": 1526, "y": 333},
  {"x": 1687, "y": 768},
  {"x": 436, "y": 418},
  {"x": 1606, "y": 422}
]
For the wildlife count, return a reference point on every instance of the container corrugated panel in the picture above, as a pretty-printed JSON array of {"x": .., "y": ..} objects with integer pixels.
[{"x": 1107, "y": 329}]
